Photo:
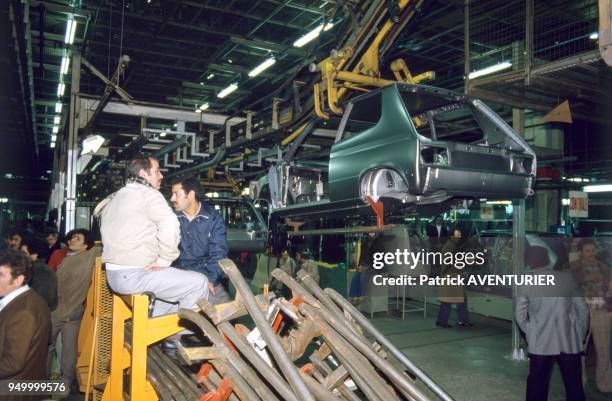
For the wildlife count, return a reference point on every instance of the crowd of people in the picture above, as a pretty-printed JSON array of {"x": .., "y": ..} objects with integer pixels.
[{"x": 43, "y": 287}]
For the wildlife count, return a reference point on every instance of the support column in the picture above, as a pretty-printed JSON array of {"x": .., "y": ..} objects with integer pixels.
[
  {"x": 518, "y": 121},
  {"x": 518, "y": 264},
  {"x": 249, "y": 124},
  {"x": 228, "y": 134},
  {"x": 72, "y": 145},
  {"x": 211, "y": 141},
  {"x": 466, "y": 44},
  {"x": 275, "y": 103},
  {"x": 528, "y": 40}
]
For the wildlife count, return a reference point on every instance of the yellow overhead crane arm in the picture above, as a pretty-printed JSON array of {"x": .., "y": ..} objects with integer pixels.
[{"x": 336, "y": 80}]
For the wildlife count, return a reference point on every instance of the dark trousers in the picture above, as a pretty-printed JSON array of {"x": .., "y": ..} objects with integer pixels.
[
  {"x": 540, "y": 369},
  {"x": 445, "y": 309}
]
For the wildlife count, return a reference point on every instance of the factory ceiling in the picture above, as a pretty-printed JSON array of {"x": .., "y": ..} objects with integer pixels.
[{"x": 183, "y": 53}]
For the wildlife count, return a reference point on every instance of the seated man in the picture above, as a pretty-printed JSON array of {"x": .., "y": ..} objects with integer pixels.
[
  {"x": 203, "y": 236},
  {"x": 25, "y": 321},
  {"x": 140, "y": 234}
]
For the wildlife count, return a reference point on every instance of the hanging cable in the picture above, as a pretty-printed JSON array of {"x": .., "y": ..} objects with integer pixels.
[
  {"x": 110, "y": 34},
  {"x": 121, "y": 38}
]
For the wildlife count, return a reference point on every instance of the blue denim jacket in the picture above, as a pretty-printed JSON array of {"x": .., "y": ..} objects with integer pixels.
[{"x": 203, "y": 243}]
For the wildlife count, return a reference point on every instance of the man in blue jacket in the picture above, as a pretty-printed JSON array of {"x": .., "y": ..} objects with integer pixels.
[{"x": 203, "y": 236}]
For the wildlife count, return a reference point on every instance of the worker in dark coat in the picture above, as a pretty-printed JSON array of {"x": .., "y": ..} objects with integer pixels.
[{"x": 25, "y": 323}]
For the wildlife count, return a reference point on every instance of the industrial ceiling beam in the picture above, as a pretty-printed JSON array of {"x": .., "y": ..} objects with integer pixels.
[
  {"x": 289, "y": 4},
  {"x": 205, "y": 6},
  {"x": 264, "y": 45},
  {"x": 60, "y": 8},
  {"x": 158, "y": 20},
  {"x": 20, "y": 20},
  {"x": 236, "y": 69},
  {"x": 55, "y": 37},
  {"x": 522, "y": 102},
  {"x": 164, "y": 112}
]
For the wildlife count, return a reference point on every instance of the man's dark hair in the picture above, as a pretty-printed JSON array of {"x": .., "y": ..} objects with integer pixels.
[
  {"x": 51, "y": 231},
  {"x": 584, "y": 242},
  {"x": 35, "y": 246},
  {"x": 190, "y": 184},
  {"x": 537, "y": 257},
  {"x": 18, "y": 262},
  {"x": 138, "y": 162},
  {"x": 89, "y": 240},
  {"x": 14, "y": 232}
]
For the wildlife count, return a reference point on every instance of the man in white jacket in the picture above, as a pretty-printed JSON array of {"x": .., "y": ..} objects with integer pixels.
[{"x": 140, "y": 235}]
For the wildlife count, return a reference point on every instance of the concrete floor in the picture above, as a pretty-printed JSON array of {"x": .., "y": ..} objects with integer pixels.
[{"x": 472, "y": 364}]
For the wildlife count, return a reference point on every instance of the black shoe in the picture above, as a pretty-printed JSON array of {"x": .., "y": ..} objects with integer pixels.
[
  {"x": 169, "y": 347},
  {"x": 445, "y": 325},
  {"x": 189, "y": 341},
  {"x": 465, "y": 324}
]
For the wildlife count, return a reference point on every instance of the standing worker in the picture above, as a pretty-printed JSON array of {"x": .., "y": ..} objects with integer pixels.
[
  {"x": 308, "y": 266},
  {"x": 555, "y": 321}
]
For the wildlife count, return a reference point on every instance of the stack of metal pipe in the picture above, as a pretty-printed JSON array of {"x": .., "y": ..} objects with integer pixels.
[{"x": 314, "y": 346}]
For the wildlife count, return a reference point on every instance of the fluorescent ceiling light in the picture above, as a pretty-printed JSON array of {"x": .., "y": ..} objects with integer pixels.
[
  {"x": 53, "y": 138},
  {"x": 578, "y": 179},
  {"x": 52, "y": 145},
  {"x": 203, "y": 107},
  {"x": 58, "y": 107},
  {"x": 71, "y": 25},
  {"x": 262, "y": 67},
  {"x": 211, "y": 75},
  {"x": 594, "y": 36},
  {"x": 490, "y": 70},
  {"x": 56, "y": 120},
  {"x": 499, "y": 202},
  {"x": 310, "y": 36},
  {"x": 598, "y": 188},
  {"x": 55, "y": 129},
  {"x": 61, "y": 88},
  {"x": 92, "y": 144},
  {"x": 65, "y": 64},
  {"x": 227, "y": 90}
]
